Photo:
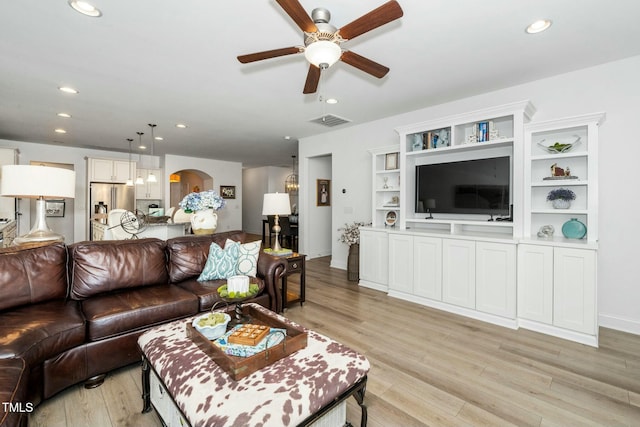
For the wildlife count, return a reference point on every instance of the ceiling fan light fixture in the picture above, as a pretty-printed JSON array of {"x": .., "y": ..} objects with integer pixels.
[{"x": 323, "y": 52}]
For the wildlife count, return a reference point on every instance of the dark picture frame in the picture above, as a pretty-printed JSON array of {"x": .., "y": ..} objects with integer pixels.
[
  {"x": 323, "y": 192},
  {"x": 228, "y": 191},
  {"x": 54, "y": 208}
]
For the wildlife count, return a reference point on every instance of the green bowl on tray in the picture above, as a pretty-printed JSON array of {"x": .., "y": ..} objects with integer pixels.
[{"x": 233, "y": 296}]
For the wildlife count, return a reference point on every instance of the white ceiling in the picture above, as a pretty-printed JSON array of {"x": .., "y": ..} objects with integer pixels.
[{"x": 164, "y": 62}]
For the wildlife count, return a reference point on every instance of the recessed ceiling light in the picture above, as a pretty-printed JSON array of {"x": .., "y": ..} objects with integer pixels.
[
  {"x": 332, "y": 101},
  {"x": 287, "y": 137},
  {"x": 142, "y": 147},
  {"x": 67, "y": 89},
  {"x": 181, "y": 126},
  {"x": 60, "y": 131},
  {"x": 538, "y": 26},
  {"x": 65, "y": 115},
  {"x": 85, "y": 8},
  {"x": 159, "y": 138}
]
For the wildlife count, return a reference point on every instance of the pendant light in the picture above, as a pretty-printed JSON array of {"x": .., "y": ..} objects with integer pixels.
[
  {"x": 139, "y": 180},
  {"x": 291, "y": 184},
  {"x": 151, "y": 177},
  {"x": 129, "y": 180}
]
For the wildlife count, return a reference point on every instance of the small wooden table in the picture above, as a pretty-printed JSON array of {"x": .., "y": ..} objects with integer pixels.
[
  {"x": 295, "y": 265},
  {"x": 300, "y": 389}
]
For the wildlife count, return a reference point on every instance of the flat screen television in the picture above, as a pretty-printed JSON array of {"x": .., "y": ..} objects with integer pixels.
[{"x": 480, "y": 186}]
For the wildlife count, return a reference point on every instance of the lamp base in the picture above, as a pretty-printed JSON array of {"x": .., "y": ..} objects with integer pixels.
[{"x": 40, "y": 233}]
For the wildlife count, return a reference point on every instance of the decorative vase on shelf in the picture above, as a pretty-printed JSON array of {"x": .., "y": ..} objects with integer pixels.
[
  {"x": 353, "y": 263},
  {"x": 574, "y": 229},
  {"x": 204, "y": 222},
  {"x": 561, "y": 204}
]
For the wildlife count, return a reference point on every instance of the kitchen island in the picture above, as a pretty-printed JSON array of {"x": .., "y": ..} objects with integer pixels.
[{"x": 161, "y": 230}]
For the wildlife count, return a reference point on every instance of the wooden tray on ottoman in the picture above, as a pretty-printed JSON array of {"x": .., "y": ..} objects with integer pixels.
[{"x": 240, "y": 367}]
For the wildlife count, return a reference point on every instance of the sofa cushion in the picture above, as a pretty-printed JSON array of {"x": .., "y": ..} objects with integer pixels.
[
  {"x": 207, "y": 292},
  {"x": 40, "y": 331},
  {"x": 118, "y": 312},
  {"x": 221, "y": 263},
  {"x": 188, "y": 254},
  {"x": 106, "y": 266},
  {"x": 30, "y": 276},
  {"x": 247, "y": 264},
  {"x": 13, "y": 392}
]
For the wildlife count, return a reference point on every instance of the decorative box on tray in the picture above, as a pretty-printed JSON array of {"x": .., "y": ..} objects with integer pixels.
[{"x": 293, "y": 339}]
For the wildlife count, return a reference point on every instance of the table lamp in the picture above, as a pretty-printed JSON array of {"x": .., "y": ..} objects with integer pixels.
[
  {"x": 276, "y": 204},
  {"x": 38, "y": 182}
]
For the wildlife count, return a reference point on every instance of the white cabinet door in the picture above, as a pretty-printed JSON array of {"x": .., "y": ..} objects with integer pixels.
[
  {"x": 101, "y": 170},
  {"x": 374, "y": 257},
  {"x": 535, "y": 283},
  {"x": 496, "y": 279},
  {"x": 150, "y": 190},
  {"x": 459, "y": 272},
  {"x": 107, "y": 170},
  {"x": 121, "y": 171},
  {"x": 401, "y": 263},
  {"x": 574, "y": 290},
  {"x": 427, "y": 262}
]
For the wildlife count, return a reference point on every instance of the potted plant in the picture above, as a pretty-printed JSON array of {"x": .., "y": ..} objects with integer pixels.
[
  {"x": 561, "y": 198},
  {"x": 351, "y": 236},
  {"x": 203, "y": 204}
]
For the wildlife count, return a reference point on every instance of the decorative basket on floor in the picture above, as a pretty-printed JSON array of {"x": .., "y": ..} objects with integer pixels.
[{"x": 353, "y": 263}]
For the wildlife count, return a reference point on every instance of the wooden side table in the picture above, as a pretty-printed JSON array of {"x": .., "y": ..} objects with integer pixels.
[{"x": 295, "y": 265}]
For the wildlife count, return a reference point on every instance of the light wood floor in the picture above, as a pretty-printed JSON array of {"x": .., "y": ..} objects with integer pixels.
[{"x": 428, "y": 368}]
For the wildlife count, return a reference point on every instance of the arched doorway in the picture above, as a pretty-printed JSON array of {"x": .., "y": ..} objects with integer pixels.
[{"x": 186, "y": 181}]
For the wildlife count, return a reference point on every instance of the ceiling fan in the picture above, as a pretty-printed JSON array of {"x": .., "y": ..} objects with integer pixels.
[{"x": 322, "y": 40}]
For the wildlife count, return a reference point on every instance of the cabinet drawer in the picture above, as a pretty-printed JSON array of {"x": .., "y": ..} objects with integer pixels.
[{"x": 294, "y": 266}]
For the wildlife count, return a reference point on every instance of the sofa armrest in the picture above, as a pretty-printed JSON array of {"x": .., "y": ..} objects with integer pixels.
[{"x": 271, "y": 269}]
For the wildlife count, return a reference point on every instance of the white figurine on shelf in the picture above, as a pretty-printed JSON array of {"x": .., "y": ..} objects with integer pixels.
[{"x": 493, "y": 132}]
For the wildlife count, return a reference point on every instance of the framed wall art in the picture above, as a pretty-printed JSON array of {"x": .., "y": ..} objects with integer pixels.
[
  {"x": 54, "y": 208},
  {"x": 228, "y": 191},
  {"x": 391, "y": 161},
  {"x": 323, "y": 192}
]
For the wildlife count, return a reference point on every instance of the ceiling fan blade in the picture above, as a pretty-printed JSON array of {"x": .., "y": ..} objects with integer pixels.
[
  {"x": 259, "y": 56},
  {"x": 386, "y": 13},
  {"x": 300, "y": 16},
  {"x": 364, "y": 64},
  {"x": 313, "y": 78}
]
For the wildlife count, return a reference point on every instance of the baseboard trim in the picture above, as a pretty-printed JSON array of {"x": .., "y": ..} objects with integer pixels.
[
  {"x": 373, "y": 285},
  {"x": 555, "y": 331},
  {"x": 631, "y": 326}
]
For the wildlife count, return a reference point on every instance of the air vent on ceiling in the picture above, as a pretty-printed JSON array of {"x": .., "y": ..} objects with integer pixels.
[{"x": 330, "y": 120}]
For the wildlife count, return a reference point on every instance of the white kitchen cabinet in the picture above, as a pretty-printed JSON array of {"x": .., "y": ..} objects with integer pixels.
[
  {"x": 110, "y": 170},
  {"x": 535, "y": 283},
  {"x": 459, "y": 272},
  {"x": 150, "y": 190},
  {"x": 400, "y": 263},
  {"x": 496, "y": 278},
  {"x": 374, "y": 259},
  {"x": 427, "y": 267},
  {"x": 574, "y": 290}
]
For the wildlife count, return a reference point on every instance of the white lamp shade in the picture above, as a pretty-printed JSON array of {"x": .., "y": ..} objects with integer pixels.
[
  {"x": 276, "y": 204},
  {"x": 34, "y": 181},
  {"x": 323, "y": 52}
]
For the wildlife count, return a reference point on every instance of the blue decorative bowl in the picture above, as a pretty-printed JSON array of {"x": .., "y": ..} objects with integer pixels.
[{"x": 574, "y": 229}]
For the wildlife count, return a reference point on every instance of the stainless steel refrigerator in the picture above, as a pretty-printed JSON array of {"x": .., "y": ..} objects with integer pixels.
[{"x": 115, "y": 196}]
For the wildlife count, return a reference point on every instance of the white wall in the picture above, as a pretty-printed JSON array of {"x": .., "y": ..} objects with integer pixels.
[
  {"x": 255, "y": 183},
  {"x": 612, "y": 88},
  {"x": 316, "y": 220},
  {"x": 223, "y": 173}
]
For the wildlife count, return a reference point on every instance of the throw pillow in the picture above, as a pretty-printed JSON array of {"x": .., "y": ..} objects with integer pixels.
[
  {"x": 221, "y": 263},
  {"x": 248, "y": 259}
]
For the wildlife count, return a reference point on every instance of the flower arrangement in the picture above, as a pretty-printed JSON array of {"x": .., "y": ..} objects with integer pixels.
[
  {"x": 351, "y": 233},
  {"x": 561, "y": 194},
  {"x": 197, "y": 201}
]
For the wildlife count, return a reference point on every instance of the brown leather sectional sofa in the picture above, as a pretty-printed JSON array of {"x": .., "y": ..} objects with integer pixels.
[{"x": 72, "y": 313}]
